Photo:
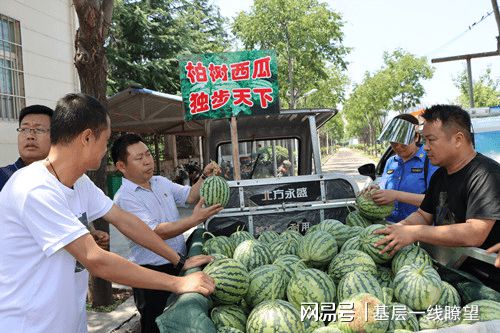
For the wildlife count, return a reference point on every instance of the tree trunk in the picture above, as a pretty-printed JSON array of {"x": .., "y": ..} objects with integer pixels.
[{"x": 94, "y": 17}]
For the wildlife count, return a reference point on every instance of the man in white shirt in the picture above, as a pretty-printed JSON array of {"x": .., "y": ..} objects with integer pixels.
[
  {"x": 154, "y": 199},
  {"x": 45, "y": 209}
]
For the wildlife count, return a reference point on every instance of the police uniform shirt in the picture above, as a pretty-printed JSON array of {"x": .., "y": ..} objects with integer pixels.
[{"x": 406, "y": 177}]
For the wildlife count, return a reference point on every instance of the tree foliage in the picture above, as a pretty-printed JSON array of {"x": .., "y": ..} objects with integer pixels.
[
  {"x": 486, "y": 90},
  {"x": 396, "y": 86},
  {"x": 306, "y": 35},
  {"x": 147, "y": 36}
]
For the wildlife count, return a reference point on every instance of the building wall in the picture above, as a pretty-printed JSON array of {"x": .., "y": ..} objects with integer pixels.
[{"x": 47, "y": 32}]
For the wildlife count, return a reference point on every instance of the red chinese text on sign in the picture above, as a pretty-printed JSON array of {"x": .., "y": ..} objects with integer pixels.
[
  {"x": 196, "y": 73},
  {"x": 262, "y": 68},
  {"x": 219, "y": 98},
  {"x": 198, "y": 102},
  {"x": 217, "y": 72},
  {"x": 242, "y": 95},
  {"x": 264, "y": 95},
  {"x": 240, "y": 71}
]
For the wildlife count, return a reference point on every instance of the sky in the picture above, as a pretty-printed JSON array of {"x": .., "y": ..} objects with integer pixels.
[{"x": 431, "y": 28}]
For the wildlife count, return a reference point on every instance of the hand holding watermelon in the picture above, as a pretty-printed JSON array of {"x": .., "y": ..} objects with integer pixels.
[
  {"x": 397, "y": 237},
  {"x": 197, "y": 261},
  {"x": 197, "y": 282},
  {"x": 201, "y": 214}
]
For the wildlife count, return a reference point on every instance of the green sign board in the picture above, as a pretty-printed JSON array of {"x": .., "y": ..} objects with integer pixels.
[{"x": 222, "y": 85}]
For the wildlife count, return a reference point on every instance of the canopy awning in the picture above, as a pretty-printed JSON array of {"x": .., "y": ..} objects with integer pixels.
[{"x": 146, "y": 111}]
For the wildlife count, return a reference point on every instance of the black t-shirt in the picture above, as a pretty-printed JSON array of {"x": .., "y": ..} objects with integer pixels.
[{"x": 471, "y": 192}]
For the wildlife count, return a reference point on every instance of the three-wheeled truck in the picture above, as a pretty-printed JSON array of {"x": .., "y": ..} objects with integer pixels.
[{"x": 305, "y": 196}]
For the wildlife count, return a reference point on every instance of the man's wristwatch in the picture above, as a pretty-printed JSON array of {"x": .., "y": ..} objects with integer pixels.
[{"x": 180, "y": 265}]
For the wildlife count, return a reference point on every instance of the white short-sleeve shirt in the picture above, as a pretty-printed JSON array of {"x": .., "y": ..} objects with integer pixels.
[
  {"x": 41, "y": 288},
  {"x": 153, "y": 206}
]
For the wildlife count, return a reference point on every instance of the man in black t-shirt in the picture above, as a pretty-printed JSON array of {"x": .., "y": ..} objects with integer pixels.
[{"x": 461, "y": 206}]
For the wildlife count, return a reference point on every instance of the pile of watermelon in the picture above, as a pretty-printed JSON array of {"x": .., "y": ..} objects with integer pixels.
[{"x": 262, "y": 282}]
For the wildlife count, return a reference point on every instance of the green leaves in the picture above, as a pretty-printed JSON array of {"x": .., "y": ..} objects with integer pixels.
[{"x": 486, "y": 90}]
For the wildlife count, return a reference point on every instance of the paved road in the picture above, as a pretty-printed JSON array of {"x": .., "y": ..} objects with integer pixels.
[{"x": 347, "y": 161}]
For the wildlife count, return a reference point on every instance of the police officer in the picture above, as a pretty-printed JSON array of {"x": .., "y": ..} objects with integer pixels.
[{"x": 406, "y": 174}]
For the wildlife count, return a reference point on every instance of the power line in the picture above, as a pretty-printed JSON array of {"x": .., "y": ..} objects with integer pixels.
[{"x": 469, "y": 28}]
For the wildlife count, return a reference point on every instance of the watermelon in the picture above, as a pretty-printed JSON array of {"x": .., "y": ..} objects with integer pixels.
[
  {"x": 291, "y": 234},
  {"x": 310, "y": 285},
  {"x": 369, "y": 209},
  {"x": 274, "y": 316},
  {"x": 351, "y": 244},
  {"x": 358, "y": 282},
  {"x": 266, "y": 282},
  {"x": 215, "y": 190},
  {"x": 364, "y": 311},
  {"x": 269, "y": 236},
  {"x": 282, "y": 247},
  {"x": 327, "y": 329},
  {"x": 388, "y": 295},
  {"x": 349, "y": 261},
  {"x": 290, "y": 263},
  {"x": 317, "y": 248},
  {"x": 403, "y": 318},
  {"x": 411, "y": 254},
  {"x": 418, "y": 286},
  {"x": 328, "y": 225},
  {"x": 231, "y": 280},
  {"x": 355, "y": 218},
  {"x": 384, "y": 276},
  {"x": 449, "y": 296},
  {"x": 240, "y": 236},
  {"x": 312, "y": 324},
  {"x": 367, "y": 238},
  {"x": 229, "y": 330},
  {"x": 252, "y": 254},
  {"x": 482, "y": 310},
  {"x": 434, "y": 319},
  {"x": 337, "y": 229},
  {"x": 220, "y": 244},
  {"x": 229, "y": 316}
]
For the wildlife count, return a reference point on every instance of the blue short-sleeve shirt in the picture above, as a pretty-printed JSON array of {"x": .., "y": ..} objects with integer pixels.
[
  {"x": 407, "y": 177},
  {"x": 9, "y": 170}
]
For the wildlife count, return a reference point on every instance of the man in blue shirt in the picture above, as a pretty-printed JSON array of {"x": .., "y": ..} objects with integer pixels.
[
  {"x": 406, "y": 175},
  {"x": 33, "y": 140}
]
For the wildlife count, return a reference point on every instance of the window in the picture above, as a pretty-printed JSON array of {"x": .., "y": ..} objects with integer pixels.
[
  {"x": 11, "y": 69},
  {"x": 258, "y": 161}
]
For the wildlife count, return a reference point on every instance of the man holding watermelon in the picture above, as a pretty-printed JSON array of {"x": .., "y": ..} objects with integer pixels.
[
  {"x": 154, "y": 199},
  {"x": 461, "y": 207}
]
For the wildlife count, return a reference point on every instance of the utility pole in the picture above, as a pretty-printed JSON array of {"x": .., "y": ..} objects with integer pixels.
[{"x": 468, "y": 57}]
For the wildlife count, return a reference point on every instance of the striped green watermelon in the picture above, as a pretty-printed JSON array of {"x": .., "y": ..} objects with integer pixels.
[
  {"x": 215, "y": 190},
  {"x": 411, "y": 254},
  {"x": 282, "y": 247},
  {"x": 231, "y": 280},
  {"x": 327, "y": 329},
  {"x": 274, "y": 316},
  {"x": 435, "y": 320},
  {"x": 418, "y": 286},
  {"x": 240, "y": 236},
  {"x": 229, "y": 330},
  {"x": 252, "y": 254},
  {"x": 328, "y": 225},
  {"x": 367, "y": 238},
  {"x": 337, "y": 229},
  {"x": 220, "y": 244},
  {"x": 312, "y": 324},
  {"x": 355, "y": 218},
  {"x": 449, "y": 296},
  {"x": 317, "y": 248},
  {"x": 402, "y": 318},
  {"x": 349, "y": 261},
  {"x": 266, "y": 282},
  {"x": 291, "y": 234},
  {"x": 358, "y": 282},
  {"x": 486, "y": 309},
  {"x": 269, "y": 236},
  {"x": 290, "y": 263},
  {"x": 369, "y": 209},
  {"x": 364, "y": 311},
  {"x": 229, "y": 316},
  {"x": 388, "y": 295},
  {"x": 384, "y": 276},
  {"x": 310, "y": 285},
  {"x": 351, "y": 244}
]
